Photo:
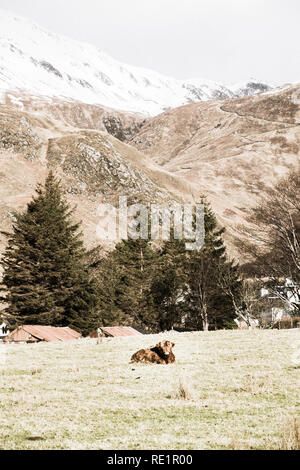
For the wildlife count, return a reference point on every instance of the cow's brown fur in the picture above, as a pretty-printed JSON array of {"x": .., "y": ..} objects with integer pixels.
[{"x": 160, "y": 354}]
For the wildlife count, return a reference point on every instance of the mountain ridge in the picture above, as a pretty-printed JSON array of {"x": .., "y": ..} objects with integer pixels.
[{"x": 56, "y": 66}]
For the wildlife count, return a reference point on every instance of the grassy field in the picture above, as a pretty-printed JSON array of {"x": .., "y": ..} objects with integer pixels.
[{"x": 228, "y": 390}]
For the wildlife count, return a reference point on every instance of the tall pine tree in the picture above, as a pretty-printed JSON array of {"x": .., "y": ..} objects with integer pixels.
[
  {"x": 124, "y": 279},
  {"x": 45, "y": 278},
  {"x": 108, "y": 282},
  {"x": 136, "y": 262},
  {"x": 208, "y": 304},
  {"x": 169, "y": 283}
]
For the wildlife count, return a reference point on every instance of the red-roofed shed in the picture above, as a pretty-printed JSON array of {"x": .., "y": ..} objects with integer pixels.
[
  {"x": 116, "y": 331},
  {"x": 37, "y": 333}
]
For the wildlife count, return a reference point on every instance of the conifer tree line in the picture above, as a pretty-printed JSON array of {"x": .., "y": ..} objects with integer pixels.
[
  {"x": 49, "y": 278},
  {"x": 167, "y": 287}
]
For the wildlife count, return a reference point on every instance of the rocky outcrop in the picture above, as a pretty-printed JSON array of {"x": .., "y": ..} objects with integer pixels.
[
  {"x": 17, "y": 134},
  {"x": 93, "y": 165}
]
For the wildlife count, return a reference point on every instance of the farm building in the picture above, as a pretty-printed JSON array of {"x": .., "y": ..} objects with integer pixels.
[
  {"x": 115, "y": 331},
  {"x": 37, "y": 333}
]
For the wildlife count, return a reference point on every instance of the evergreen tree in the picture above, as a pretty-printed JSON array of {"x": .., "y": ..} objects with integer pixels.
[
  {"x": 228, "y": 295},
  {"x": 208, "y": 305},
  {"x": 124, "y": 279},
  {"x": 169, "y": 283},
  {"x": 135, "y": 261},
  {"x": 108, "y": 283},
  {"x": 45, "y": 278}
]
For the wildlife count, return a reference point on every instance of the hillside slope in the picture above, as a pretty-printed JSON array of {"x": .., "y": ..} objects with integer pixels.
[
  {"x": 230, "y": 150},
  {"x": 94, "y": 167}
]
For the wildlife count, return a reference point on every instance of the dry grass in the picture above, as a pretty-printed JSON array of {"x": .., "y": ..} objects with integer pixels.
[
  {"x": 291, "y": 435},
  {"x": 184, "y": 389},
  {"x": 256, "y": 385},
  {"x": 80, "y": 395}
]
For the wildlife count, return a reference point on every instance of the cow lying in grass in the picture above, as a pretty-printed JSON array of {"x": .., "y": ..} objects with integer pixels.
[{"x": 160, "y": 354}]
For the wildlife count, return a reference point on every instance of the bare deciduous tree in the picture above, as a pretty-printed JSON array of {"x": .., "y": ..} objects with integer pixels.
[{"x": 273, "y": 240}]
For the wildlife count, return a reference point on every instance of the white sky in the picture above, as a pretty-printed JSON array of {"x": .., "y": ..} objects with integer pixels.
[{"x": 222, "y": 40}]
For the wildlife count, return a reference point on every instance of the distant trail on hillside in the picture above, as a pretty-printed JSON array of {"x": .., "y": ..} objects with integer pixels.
[{"x": 250, "y": 116}]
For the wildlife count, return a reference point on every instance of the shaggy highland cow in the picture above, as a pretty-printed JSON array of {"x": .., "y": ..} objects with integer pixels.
[{"x": 160, "y": 354}]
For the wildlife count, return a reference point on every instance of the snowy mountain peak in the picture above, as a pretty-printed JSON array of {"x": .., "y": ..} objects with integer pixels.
[{"x": 40, "y": 62}]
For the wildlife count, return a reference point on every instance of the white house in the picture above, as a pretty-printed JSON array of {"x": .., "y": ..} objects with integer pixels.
[
  {"x": 289, "y": 293},
  {"x": 4, "y": 331}
]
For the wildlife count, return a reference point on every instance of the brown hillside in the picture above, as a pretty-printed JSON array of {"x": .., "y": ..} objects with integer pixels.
[
  {"x": 230, "y": 150},
  {"x": 94, "y": 166}
]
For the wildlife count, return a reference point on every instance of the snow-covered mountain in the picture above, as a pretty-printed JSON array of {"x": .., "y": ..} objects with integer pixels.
[{"x": 40, "y": 62}]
